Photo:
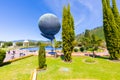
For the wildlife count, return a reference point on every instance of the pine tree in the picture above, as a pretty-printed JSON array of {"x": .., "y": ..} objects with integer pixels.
[
  {"x": 111, "y": 31},
  {"x": 68, "y": 34}
]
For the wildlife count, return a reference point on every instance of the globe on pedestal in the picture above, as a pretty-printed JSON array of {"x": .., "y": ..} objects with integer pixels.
[{"x": 49, "y": 25}]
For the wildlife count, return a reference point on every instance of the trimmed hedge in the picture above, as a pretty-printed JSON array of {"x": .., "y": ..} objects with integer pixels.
[
  {"x": 82, "y": 49},
  {"x": 13, "y": 60},
  {"x": 42, "y": 57},
  {"x": 75, "y": 50},
  {"x": 2, "y": 55}
]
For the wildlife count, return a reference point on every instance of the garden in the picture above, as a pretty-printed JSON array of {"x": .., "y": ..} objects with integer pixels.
[{"x": 80, "y": 68}]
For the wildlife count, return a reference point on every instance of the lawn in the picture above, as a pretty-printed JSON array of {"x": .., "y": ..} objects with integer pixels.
[
  {"x": 101, "y": 69},
  {"x": 19, "y": 70}
]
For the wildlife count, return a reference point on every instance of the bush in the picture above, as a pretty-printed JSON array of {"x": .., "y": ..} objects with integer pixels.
[
  {"x": 19, "y": 43},
  {"x": 82, "y": 49},
  {"x": 2, "y": 56},
  {"x": 75, "y": 50},
  {"x": 42, "y": 57}
]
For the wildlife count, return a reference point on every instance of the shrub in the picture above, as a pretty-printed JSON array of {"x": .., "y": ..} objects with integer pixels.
[
  {"x": 82, "y": 49},
  {"x": 42, "y": 57},
  {"x": 75, "y": 50},
  {"x": 2, "y": 56}
]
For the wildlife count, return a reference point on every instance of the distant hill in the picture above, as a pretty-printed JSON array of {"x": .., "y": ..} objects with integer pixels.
[
  {"x": 28, "y": 40},
  {"x": 97, "y": 31}
]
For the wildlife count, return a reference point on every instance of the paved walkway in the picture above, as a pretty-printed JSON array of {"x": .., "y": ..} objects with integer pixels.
[
  {"x": 19, "y": 53},
  {"x": 13, "y": 54}
]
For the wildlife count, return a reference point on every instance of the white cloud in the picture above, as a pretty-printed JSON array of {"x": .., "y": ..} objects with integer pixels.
[
  {"x": 87, "y": 4},
  {"x": 79, "y": 21},
  {"x": 82, "y": 10}
]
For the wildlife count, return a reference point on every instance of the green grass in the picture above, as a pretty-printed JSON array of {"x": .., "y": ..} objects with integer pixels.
[
  {"x": 19, "y": 70},
  {"x": 57, "y": 69},
  {"x": 102, "y": 69}
]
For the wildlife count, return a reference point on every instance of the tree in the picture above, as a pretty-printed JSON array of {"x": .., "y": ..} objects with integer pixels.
[
  {"x": 68, "y": 34},
  {"x": 87, "y": 39},
  {"x": 71, "y": 28},
  {"x": 111, "y": 31},
  {"x": 19, "y": 43},
  {"x": 38, "y": 43},
  {"x": 87, "y": 34},
  {"x": 7, "y": 44},
  {"x": 57, "y": 44},
  {"x": 42, "y": 57},
  {"x": 116, "y": 13},
  {"x": 2, "y": 56},
  {"x": 95, "y": 43},
  {"x": 32, "y": 43}
]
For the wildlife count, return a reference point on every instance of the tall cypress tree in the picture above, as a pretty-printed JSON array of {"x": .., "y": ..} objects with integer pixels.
[
  {"x": 116, "y": 13},
  {"x": 117, "y": 20},
  {"x": 71, "y": 27},
  {"x": 67, "y": 33},
  {"x": 108, "y": 3},
  {"x": 111, "y": 31}
]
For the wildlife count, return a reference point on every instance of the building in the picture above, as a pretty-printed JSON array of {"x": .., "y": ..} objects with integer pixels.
[
  {"x": 26, "y": 43},
  {"x": 1, "y": 44},
  {"x": 14, "y": 44}
]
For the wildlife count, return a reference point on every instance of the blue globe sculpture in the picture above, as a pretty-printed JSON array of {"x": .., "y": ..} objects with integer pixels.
[{"x": 49, "y": 25}]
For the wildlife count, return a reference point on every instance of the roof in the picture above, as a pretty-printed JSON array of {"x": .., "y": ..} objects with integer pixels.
[{"x": 26, "y": 41}]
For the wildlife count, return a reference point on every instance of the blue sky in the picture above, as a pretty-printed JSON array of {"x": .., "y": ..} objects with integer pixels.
[{"x": 19, "y": 18}]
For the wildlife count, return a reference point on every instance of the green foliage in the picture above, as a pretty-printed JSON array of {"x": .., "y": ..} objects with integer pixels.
[
  {"x": 75, "y": 50},
  {"x": 82, "y": 49},
  {"x": 42, "y": 57},
  {"x": 111, "y": 30},
  {"x": 38, "y": 43},
  {"x": 57, "y": 44},
  {"x": 116, "y": 13},
  {"x": 19, "y": 43},
  {"x": 7, "y": 44},
  {"x": 2, "y": 55},
  {"x": 32, "y": 43},
  {"x": 87, "y": 34},
  {"x": 68, "y": 34},
  {"x": 97, "y": 31},
  {"x": 90, "y": 42}
]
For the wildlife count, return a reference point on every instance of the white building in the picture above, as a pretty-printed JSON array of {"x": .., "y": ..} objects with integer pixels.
[
  {"x": 1, "y": 44},
  {"x": 14, "y": 44},
  {"x": 26, "y": 43}
]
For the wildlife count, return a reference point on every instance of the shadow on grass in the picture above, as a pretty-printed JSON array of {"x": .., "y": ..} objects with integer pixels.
[
  {"x": 62, "y": 57},
  {"x": 101, "y": 57},
  {"x": 5, "y": 63}
]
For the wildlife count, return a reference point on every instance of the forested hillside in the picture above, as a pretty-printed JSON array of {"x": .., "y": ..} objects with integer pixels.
[{"x": 97, "y": 31}]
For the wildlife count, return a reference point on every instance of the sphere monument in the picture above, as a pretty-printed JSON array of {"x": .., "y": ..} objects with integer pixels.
[{"x": 49, "y": 25}]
